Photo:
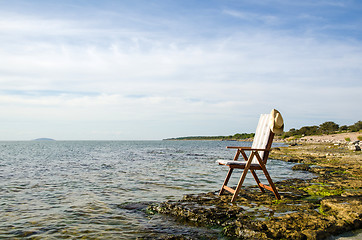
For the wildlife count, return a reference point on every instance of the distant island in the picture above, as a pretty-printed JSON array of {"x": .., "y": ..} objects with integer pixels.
[{"x": 44, "y": 139}]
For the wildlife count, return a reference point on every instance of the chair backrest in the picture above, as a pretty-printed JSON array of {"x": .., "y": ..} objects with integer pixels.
[{"x": 263, "y": 138}]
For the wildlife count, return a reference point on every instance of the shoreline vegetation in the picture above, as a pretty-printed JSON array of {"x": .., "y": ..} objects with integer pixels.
[
  {"x": 235, "y": 137},
  {"x": 326, "y": 128},
  {"x": 319, "y": 208}
]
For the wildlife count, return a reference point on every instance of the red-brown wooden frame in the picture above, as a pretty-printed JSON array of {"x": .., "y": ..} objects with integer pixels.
[{"x": 252, "y": 167}]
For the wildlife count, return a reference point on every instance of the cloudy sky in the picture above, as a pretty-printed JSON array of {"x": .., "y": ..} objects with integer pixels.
[{"x": 153, "y": 69}]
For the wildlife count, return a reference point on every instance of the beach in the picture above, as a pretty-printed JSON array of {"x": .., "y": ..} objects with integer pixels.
[{"x": 333, "y": 138}]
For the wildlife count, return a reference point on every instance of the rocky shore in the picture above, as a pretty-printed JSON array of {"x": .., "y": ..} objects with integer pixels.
[
  {"x": 327, "y": 205},
  {"x": 351, "y": 140}
]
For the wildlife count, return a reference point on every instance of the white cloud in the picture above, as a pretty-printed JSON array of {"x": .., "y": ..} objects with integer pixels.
[
  {"x": 250, "y": 16},
  {"x": 83, "y": 74}
]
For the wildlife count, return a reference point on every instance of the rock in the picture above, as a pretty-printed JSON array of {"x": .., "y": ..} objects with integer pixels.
[
  {"x": 303, "y": 167},
  {"x": 275, "y": 149},
  {"x": 347, "y": 209},
  {"x": 354, "y": 147}
]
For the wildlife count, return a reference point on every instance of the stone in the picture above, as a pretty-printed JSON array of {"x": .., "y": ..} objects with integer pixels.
[
  {"x": 354, "y": 148},
  {"x": 302, "y": 166},
  {"x": 346, "y": 208}
]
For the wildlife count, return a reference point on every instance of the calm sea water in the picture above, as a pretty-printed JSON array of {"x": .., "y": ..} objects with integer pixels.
[{"x": 91, "y": 189}]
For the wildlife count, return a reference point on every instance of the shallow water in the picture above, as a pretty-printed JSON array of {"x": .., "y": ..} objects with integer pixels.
[{"x": 74, "y": 189}]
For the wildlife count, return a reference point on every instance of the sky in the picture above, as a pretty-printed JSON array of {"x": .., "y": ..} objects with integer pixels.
[{"x": 155, "y": 69}]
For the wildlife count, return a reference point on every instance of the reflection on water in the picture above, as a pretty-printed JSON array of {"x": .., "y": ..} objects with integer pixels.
[{"x": 80, "y": 189}]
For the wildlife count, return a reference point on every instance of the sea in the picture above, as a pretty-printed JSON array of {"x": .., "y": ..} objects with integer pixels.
[{"x": 100, "y": 189}]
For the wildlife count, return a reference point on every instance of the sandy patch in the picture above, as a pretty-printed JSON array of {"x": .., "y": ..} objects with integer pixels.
[{"x": 340, "y": 137}]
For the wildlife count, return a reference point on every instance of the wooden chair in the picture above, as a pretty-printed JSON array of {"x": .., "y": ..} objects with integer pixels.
[{"x": 259, "y": 152}]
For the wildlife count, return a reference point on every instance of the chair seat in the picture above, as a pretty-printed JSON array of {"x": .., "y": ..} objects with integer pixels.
[{"x": 238, "y": 164}]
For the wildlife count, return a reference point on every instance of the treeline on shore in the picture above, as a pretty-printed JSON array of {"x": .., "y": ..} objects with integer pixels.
[
  {"x": 324, "y": 128},
  {"x": 235, "y": 137}
]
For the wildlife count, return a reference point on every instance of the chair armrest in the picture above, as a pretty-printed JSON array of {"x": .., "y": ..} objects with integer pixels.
[
  {"x": 249, "y": 148},
  {"x": 241, "y": 148},
  {"x": 260, "y": 149}
]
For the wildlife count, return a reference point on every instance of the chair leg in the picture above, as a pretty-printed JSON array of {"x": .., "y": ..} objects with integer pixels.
[
  {"x": 257, "y": 180},
  {"x": 272, "y": 186},
  {"x": 242, "y": 178},
  {"x": 229, "y": 173},
  {"x": 274, "y": 189},
  {"x": 226, "y": 181},
  {"x": 241, "y": 181}
]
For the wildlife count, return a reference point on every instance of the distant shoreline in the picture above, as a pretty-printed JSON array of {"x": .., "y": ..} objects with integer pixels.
[
  {"x": 235, "y": 137},
  {"x": 205, "y": 139},
  {"x": 336, "y": 137}
]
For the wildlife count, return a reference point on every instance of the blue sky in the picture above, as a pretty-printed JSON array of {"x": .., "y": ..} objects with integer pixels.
[{"x": 131, "y": 70}]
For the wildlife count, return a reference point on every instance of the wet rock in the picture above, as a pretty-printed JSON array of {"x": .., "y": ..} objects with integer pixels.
[
  {"x": 257, "y": 216},
  {"x": 134, "y": 206},
  {"x": 346, "y": 208},
  {"x": 303, "y": 167}
]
